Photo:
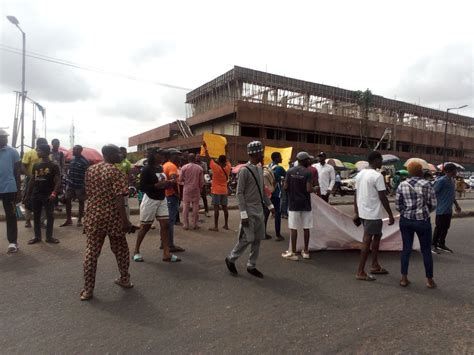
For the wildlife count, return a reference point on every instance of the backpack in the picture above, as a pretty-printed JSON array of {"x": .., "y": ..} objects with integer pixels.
[{"x": 269, "y": 180}]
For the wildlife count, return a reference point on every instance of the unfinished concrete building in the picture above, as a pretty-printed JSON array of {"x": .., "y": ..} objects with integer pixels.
[{"x": 245, "y": 104}]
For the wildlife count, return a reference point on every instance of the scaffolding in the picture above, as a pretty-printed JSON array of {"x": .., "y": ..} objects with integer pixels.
[{"x": 242, "y": 84}]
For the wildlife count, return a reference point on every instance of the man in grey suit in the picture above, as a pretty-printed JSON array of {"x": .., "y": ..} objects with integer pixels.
[{"x": 251, "y": 198}]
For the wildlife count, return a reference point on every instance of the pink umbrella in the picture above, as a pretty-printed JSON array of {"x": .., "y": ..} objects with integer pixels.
[
  {"x": 92, "y": 155},
  {"x": 236, "y": 168}
]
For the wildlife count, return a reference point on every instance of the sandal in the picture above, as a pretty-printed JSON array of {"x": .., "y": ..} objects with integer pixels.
[
  {"x": 138, "y": 258},
  {"x": 379, "y": 271},
  {"x": 431, "y": 285},
  {"x": 404, "y": 283},
  {"x": 121, "y": 284},
  {"x": 85, "y": 296},
  {"x": 172, "y": 259},
  {"x": 365, "y": 278}
]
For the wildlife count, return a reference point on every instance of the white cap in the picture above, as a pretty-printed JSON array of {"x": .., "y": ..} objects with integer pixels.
[{"x": 3, "y": 133}]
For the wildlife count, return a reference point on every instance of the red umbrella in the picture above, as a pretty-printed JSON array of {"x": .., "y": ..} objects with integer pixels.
[{"x": 92, "y": 155}]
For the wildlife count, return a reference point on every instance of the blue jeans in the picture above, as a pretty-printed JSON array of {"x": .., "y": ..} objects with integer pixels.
[
  {"x": 276, "y": 201},
  {"x": 173, "y": 210},
  {"x": 408, "y": 228}
]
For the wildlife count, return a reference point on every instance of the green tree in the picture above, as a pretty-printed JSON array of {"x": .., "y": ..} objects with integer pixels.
[{"x": 364, "y": 99}]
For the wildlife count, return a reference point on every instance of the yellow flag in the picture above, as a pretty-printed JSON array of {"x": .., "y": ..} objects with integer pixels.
[
  {"x": 215, "y": 144},
  {"x": 285, "y": 155}
]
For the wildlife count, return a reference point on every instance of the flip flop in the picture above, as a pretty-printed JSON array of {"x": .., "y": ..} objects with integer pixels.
[
  {"x": 365, "y": 278},
  {"x": 380, "y": 271},
  {"x": 138, "y": 258},
  {"x": 172, "y": 259}
]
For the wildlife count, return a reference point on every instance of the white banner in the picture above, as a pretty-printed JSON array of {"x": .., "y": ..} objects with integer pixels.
[{"x": 334, "y": 230}]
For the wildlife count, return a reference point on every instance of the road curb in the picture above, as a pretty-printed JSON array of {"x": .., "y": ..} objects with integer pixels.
[{"x": 136, "y": 212}]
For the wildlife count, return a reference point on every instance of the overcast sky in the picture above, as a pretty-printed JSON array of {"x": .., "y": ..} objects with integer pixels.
[{"x": 417, "y": 51}]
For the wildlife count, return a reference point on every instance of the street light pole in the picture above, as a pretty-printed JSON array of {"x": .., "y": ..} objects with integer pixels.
[
  {"x": 445, "y": 150},
  {"x": 15, "y": 22}
]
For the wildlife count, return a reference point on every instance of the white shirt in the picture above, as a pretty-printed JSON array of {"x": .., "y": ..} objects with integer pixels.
[
  {"x": 326, "y": 176},
  {"x": 368, "y": 184}
]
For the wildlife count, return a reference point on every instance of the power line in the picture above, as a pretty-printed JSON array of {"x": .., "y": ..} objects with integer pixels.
[{"x": 45, "y": 58}]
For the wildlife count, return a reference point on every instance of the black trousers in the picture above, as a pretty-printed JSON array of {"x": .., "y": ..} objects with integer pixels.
[
  {"x": 9, "y": 206},
  {"x": 443, "y": 222},
  {"x": 204, "y": 198},
  {"x": 38, "y": 203}
]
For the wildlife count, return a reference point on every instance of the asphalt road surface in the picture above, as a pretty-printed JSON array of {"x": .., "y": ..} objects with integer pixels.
[{"x": 197, "y": 307}]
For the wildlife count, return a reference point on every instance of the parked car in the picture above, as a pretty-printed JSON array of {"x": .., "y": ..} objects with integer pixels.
[
  {"x": 348, "y": 185},
  {"x": 470, "y": 182}
]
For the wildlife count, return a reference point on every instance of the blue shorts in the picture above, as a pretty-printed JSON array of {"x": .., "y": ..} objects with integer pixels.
[{"x": 219, "y": 200}]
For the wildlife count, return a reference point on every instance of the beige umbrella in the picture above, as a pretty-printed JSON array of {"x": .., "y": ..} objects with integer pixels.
[
  {"x": 361, "y": 164},
  {"x": 424, "y": 163},
  {"x": 335, "y": 163}
]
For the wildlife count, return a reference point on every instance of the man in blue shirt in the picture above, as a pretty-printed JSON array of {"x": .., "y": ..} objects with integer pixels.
[
  {"x": 75, "y": 186},
  {"x": 10, "y": 192},
  {"x": 446, "y": 196},
  {"x": 279, "y": 174}
]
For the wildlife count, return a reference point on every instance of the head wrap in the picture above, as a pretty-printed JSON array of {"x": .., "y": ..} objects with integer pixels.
[{"x": 415, "y": 168}]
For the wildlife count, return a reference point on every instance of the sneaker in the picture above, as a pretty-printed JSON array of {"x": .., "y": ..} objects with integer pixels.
[
  {"x": 435, "y": 250},
  {"x": 207, "y": 214},
  {"x": 12, "y": 248},
  {"x": 290, "y": 256},
  {"x": 445, "y": 248},
  {"x": 305, "y": 255}
]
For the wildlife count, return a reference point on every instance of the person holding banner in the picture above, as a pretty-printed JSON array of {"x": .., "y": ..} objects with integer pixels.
[
  {"x": 369, "y": 197},
  {"x": 219, "y": 187},
  {"x": 252, "y": 200}
]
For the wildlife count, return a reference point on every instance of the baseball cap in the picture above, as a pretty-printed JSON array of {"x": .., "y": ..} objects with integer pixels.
[
  {"x": 302, "y": 156},
  {"x": 3, "y": 133}
]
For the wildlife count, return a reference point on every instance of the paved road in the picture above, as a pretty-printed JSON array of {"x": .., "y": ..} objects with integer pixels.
[{"x": 196, "y": 306}]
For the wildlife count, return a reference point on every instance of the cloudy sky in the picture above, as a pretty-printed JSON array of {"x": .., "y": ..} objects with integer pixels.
[{"x": 417, "y": 51}]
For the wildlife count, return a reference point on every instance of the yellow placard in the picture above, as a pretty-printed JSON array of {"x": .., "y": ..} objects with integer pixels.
[
  {"x": 215, "y": 144},
  {"x": 285, "y": 155}
]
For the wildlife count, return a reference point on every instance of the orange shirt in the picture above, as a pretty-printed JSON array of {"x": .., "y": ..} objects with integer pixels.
[
  {"x": 219, "y": 178},
  {"x": 169, "y": 169}
]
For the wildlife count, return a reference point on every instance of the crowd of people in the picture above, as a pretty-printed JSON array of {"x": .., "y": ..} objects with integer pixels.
[{"x": 169, "y": 178}]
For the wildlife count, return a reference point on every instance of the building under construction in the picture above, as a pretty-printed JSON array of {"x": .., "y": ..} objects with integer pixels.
[{"x": 245, "y": 104}]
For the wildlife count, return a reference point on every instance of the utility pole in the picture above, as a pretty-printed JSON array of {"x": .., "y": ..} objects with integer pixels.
[
  {"x": 445, "y": 150},
  {"x": 16, "y": 23}
]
